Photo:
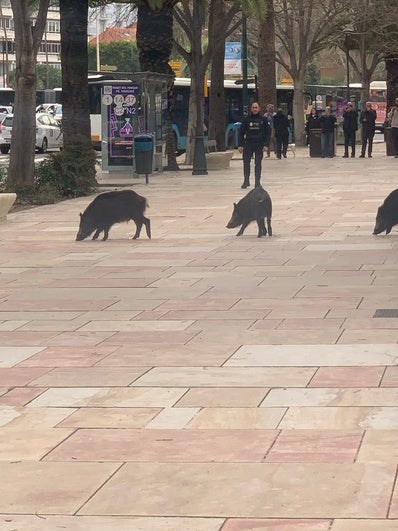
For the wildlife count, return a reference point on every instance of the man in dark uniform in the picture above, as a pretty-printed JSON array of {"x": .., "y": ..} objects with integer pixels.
[{"x": 254, "y": 137}]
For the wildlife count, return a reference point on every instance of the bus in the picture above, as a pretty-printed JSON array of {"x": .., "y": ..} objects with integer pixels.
[
  {"x": 233, "y": 108},
  {"x": 378, "y": 99}
]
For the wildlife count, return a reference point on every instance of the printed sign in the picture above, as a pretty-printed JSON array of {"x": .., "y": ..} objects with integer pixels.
[{"x": 233, "y": 58}]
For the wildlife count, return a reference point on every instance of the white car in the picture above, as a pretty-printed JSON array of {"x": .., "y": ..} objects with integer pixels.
[{"x": 48, "y": 133}]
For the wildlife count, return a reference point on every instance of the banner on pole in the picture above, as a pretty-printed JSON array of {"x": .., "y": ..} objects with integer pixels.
[{"x": 233, "y": 58}]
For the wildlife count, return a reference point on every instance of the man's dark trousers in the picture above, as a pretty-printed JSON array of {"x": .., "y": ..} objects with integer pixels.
[{"x": 248, "y": 152}]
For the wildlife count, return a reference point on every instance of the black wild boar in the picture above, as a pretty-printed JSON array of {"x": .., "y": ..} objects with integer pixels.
[
  {"x": 255, "y": 206},
  {"x": 387, "y": 214},
  {"x": 110, "y": 208}
]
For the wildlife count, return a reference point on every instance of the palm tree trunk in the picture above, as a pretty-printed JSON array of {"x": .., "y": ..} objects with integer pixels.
[{"x": 266, "y": 58}]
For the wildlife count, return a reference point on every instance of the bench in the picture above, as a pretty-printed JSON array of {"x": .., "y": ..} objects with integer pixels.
[
  {"x": 6, "y": 202},
  {"x": 216, "y": 160}
]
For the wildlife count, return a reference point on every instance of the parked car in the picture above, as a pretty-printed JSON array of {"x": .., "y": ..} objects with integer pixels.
[
  {"x": 55, "y": 109},
  {"x": 48, "y": 133}
]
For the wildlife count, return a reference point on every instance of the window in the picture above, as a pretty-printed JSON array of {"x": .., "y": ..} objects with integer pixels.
[
  {"x": 53, "y": 26},
  {"x": 7, "y": 23}
]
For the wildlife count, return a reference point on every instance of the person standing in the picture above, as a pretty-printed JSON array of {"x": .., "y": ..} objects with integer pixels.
[
  {"x": 311, "y": 123},
  {"x": 327, "y": 123},
  {"x": 350, "y": 126},
  {"x": 269, "y": 114},
  {"x": 368, "y": 121},
  {"x": 393, "y": 117},
  {"x": 254, "y": 137},
  {"x": 281, "y": 128}
]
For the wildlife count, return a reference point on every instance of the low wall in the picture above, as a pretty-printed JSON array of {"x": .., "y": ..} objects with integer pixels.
[{"x": 6, "y": 202}]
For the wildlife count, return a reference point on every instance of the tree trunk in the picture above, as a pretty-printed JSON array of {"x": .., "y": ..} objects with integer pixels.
[
  {"x": 217, "y": 117},
  {"x": 298, "y": 111},
  {"x": 266, "y": 58},
  {"x": 155, "y": 42},
  {"x": 27, "y": 41},
  {"x": 74, "y": 59}
]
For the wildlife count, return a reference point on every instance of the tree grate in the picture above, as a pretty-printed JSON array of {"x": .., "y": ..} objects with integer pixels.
[{"x": 391, "y": 313}]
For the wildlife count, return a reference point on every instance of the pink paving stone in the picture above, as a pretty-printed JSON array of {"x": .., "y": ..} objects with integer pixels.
[
  {"x": 165, "y": 337},
  {"x": 17, "y": 376},
  {"x": 347, "y": 377},
  {"x": 314, "y": 446},
  {"x": 310, "y": 323},
  {"x": 26, "y": 338},
  {"x": 390, "y": 378},
  {"x": 20, "y": 396},
  {"x": 201, "y": 446},
  {"x": 68, "y": 356},
  {"x": 276, "y": 525},
  {"x": 266, "y": 324}
]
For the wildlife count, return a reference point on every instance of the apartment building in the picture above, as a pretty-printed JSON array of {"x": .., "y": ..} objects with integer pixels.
[{"x": 50, "y": 48}]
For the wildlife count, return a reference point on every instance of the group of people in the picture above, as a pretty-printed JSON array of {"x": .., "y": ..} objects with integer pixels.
[
  {"x": 256, "y": 133},
  {"x": 327, "y": 122}
]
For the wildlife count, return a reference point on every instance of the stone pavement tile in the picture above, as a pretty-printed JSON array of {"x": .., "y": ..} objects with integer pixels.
[
  {"x": 226, "y": 377},
  {"x": 273, "y": 337},
  {"x": 242, "y": 418},
  {"x": 110, "y": 417},
  {"x": 223, "y": 326},
  {"x": 249, "y": 490},
  {"x": 79, "y": 338},
  {"x": 138, "y": 326},
  {"x": 26, "y": 338},
  {"x": 20, "y": 396},
  {"x": 19, "y": 376},
  {"x": 188, "y": 446},
  {"x": 315, "y": 446},
  {"x": 266, "y": 324},
  {"x": 208, "y": 304},
  {"x": 234, "y": 315},
  {"x": 36, "y": 487},
  {"x": 282, "y": 524},
  {"x": 167, "y": 355},
  {"x": 390, "y": 378},
  {"x": 157, "y": 336},
  {"x": 365, "y": 525},
  {"x": 223, "y": 397},
  {"x": 109, "y": 397},
  {"x": 379, "y": 446},
  {"x": 310, "y": 323},
  {"x": 314, "y": 355},
  {"x": 47, "y": 316},
  {"x": 364, "y": 324},
  {"x": 173, "y": 418},
  {"x": 48, "y": 522},
  {"x": 7, "y": 326},
  {"x": 54, "y": 305},
  {"x": 89, "y": 377},
  {"x": 29, "y": 434},
  {"x": 340, "y": 418},
  {"x": 78, "y": 356},
  {"x": 331, "y": 397},
  {"x": 134, "y": 305},
  {"x": 369, "y": 336},
  {"x": 347, "y": 377},
  {"x": 10, "y": 356}
]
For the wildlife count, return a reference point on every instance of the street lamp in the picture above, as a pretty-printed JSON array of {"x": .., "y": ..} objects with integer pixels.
[{"x": 347, "y": 32}]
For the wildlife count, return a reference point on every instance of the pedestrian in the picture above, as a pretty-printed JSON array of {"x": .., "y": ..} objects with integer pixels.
[
  {"x": 281, "y": 128},
  {"x": 393, "y": 118},
  {"x": 368, "y": 121},
  {"x": 327, "y": 123},
  {"x": 269, "y": 114},
  {"x": 254, "y": 138},
  {"x": 350, "y": 126},
  {"x": 311, "y": 123}
]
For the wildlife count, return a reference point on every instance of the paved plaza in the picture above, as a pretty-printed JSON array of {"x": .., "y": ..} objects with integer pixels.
[{"x": 199, "y": 381}]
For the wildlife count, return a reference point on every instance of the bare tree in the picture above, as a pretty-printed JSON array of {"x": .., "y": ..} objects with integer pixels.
[
  {"x": 266, "y": 57},
  {"x": 28, "y": 37}
]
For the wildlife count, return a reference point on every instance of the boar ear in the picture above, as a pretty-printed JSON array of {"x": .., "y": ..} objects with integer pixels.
[
  {"x": 234, "y": 205},
  {"x": 81, "y": 215}
]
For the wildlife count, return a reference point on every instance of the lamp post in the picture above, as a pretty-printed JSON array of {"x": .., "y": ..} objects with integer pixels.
[{"x": 347, "y": 59}]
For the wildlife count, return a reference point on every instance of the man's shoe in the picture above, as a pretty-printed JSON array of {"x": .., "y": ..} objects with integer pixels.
[
  {"x": 361, "y": 156},
  {"x": 245, "y": 185},
  {"x": 353, "y": 155},
  {"x": 369, "y": 156},
  {"x": 345, "y": 156}
]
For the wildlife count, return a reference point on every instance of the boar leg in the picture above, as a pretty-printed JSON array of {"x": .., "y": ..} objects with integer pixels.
[
  {"x": 269, "y": 226},
  {"x": 243, "y": 227}
]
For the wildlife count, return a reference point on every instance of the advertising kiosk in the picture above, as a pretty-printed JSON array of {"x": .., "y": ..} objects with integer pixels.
[{"x": 132, "y": 107}]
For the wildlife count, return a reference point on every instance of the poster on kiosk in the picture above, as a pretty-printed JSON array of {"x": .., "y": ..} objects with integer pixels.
[{"x": 121, "y": 121}]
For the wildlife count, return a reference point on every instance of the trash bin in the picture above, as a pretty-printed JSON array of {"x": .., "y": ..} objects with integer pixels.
[
  {"x": 315, "y": 143},
  {"x": 389, "y": 142},
  {"x": 143, "y": 150}
]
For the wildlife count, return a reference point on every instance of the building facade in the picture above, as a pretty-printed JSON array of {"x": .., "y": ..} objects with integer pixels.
[{"x": 50, "y": 48}]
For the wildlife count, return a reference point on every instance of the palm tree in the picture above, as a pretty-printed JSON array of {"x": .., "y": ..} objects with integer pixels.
[{"x": 155, "y": 42}]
